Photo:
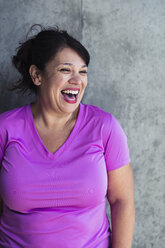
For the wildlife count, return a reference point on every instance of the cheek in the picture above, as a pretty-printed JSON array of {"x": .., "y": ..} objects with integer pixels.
[
  {"x": 60, "y": 79},
  {"x": 85, "y": 82},
  {"x": 56, "y": 81}
]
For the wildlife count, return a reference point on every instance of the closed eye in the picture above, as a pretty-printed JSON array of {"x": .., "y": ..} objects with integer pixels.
[
  {"x": 83, "y": 72},
  {"x": 65, "y": 69}
]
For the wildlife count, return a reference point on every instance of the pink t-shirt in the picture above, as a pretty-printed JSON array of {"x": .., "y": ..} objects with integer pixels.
[{"x": 58, "y": 200}]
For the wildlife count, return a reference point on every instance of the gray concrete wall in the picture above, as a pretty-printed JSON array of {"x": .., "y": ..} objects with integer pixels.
[{"x": 126, "y": 39}]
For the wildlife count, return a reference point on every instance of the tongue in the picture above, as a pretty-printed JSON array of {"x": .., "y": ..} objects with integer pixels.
[{"x": 69, "y": 96}]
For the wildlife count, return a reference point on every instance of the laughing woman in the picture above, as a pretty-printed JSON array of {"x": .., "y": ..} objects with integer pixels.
[{"x": 61, "y": 159}]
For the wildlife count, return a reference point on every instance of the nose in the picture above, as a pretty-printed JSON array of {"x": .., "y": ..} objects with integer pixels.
[{"x": 75, "y": 79}]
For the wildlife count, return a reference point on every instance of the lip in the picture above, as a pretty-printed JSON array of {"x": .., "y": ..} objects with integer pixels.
[{"x": 72, "y": 102}]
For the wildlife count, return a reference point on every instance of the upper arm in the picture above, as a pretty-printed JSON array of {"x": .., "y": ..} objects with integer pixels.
[{"x": 120, "y": 185}]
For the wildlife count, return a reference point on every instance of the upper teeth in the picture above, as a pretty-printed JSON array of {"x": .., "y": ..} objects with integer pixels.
[{"x": 71, "y": 91}]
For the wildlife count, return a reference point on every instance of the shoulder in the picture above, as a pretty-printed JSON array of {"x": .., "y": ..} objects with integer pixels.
[
  {"x": 100, "y": 116},
  {"x": 12, "y": 126},
  {"x": 96, "y": 112},
  {"x": 12, "y": 117},
  {"x": 104, "y": 123}
]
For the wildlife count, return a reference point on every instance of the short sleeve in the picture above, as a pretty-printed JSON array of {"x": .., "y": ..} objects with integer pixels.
[
  {"x": 116, "y": 149},
  {"x": 2, "y": 145}
]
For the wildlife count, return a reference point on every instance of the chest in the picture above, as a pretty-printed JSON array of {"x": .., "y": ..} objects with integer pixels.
[
  {"x": 75, "y": 176},
  {"x": 76, "y": 179},
  {"x": 54, "y": 139}
]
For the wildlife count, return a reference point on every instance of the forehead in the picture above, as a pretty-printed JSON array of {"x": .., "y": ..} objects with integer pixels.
[{"x": 68, "y": 56}]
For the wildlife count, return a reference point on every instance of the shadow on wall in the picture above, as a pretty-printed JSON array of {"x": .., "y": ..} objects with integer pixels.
[{"x": 12, "y": 99}]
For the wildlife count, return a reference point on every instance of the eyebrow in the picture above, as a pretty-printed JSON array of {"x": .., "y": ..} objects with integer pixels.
[{"x": 72, "y": 64}]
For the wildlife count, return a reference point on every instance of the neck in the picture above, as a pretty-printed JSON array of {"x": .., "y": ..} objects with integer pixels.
[{"x": 51, "y": 119}]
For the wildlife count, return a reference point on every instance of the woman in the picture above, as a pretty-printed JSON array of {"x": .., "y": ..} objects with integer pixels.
[{"x": 60, "y": 158}]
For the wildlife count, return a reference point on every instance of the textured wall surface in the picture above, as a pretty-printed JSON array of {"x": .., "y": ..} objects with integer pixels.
[{"x": 126, "y": 40}]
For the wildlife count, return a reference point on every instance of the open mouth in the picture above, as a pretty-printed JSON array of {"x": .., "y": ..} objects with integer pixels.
[{"x": 70, "y": 95}]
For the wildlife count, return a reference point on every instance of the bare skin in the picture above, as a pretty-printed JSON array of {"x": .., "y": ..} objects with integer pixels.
[
  {"x": 53, "y": 117},
  {"x": 54, "y": 137},
  {"x": 120, "y": 195}
]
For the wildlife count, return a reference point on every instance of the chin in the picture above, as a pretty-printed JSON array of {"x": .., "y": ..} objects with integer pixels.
[{"x": 70, "y": 108}]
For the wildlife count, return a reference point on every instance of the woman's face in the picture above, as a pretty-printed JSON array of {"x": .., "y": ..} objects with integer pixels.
[{"x": 63, "y": 82}]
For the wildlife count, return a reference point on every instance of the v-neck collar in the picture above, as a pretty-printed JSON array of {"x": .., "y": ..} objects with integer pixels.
[{"x": 40, "y": 146}]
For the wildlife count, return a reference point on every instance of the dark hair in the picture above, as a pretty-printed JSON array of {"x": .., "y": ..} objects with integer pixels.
[{"x": 39, "y": 50}]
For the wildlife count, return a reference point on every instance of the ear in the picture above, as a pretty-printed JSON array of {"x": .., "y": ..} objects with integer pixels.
[{"x": 35, "y": 75}]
